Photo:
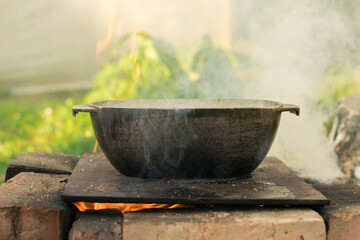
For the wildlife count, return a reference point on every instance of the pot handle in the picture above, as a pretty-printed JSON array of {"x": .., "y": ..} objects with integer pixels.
[
  {"x": 291, "y": 108},
  {"x": 82, "y": 108}
]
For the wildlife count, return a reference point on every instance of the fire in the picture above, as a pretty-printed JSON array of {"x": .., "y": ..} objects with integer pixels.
[
  {"x": 103, "y": 44},
  {"x": 137, "y": 71},
  {"x": 95, "y": 146},
  {"x": 127, "y": 207},
  {"x": 114, "y": 28}
]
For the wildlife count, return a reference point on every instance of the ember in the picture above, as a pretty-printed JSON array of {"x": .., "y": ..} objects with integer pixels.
[{"x": 127, "y": 207}]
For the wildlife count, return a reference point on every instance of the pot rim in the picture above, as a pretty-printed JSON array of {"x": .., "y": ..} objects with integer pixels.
[{"x": 186, "y": 104}]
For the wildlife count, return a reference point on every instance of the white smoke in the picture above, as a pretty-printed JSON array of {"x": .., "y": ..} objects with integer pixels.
[
  {"x": 290, "y": 44},
  {"x": 293, "y": 44}
]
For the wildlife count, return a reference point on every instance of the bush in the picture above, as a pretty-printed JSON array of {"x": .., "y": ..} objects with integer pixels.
[
  {"x": 148, "y": 69},
  {"x": 338, "y": 83}
]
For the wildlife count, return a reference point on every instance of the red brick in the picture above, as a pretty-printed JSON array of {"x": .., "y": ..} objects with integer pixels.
[
  {"x": 343, "y": 214},
  {"x": 241, "y": 223},
  {"x": 31, "y": 208},
  {"x": 54, "y": 163},
  {"x": 99, "y": 225},
  {"x": 6, "y": 220}
]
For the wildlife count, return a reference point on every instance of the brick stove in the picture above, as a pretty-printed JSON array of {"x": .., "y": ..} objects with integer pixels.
[{"x": 31, "y": 208}]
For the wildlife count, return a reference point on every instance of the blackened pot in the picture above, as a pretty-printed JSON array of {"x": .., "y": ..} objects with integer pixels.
[{"x": 185, "y": 138}]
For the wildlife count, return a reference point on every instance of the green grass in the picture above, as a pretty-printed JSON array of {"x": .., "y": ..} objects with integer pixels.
[
  {"x": 3, "y": 166},
  {"x": 42, "y": 123}
]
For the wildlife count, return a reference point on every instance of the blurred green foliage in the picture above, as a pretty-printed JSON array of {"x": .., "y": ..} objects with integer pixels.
[
  {"x": 338, "y": 83},
  {"x": 139, "y": 67},
  {"x": 152, "y": 69},
  {"x": 41, "y": 123},
  {"x": 4, "y": 92},
  {"x": 149, "y": 70}
]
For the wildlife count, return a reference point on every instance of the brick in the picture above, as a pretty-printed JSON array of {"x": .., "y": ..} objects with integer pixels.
[
  {"x": 53, "y": 163},
  {"x": 240, "y": 223},
  {"x": 6, "y": 227},
  {"x": 343, "y": 214},
  {"x": 31, "y": 208},
  {"x": 99, "y": 225}
]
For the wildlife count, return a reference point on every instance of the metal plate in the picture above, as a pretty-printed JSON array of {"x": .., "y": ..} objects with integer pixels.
[{"x": 272, "y": 183}]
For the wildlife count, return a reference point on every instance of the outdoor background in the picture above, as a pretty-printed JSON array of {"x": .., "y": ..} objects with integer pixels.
[{"x": 56, "y": 54}]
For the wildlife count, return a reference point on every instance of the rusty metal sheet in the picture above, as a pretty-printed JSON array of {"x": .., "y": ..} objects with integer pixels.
[{"x": 272, "y": 183}]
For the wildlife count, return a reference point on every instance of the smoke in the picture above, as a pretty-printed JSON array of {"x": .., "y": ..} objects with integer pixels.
[
  {"x": 165, "y": 137},
  {"x": 289, "y": 46},
  {"x": 293, "y": 44}
]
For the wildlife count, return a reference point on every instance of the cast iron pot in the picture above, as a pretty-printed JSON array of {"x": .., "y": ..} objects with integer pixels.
[{"x": 185, "y": 138}]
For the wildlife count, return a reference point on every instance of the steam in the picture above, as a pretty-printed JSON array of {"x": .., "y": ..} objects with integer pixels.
[
  {"x": 295, "y": 42},
  {"x": 290, "y": 45},
  {"x": 165, "y": 137}
]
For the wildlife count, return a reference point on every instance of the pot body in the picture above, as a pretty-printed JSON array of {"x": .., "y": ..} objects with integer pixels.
[{"x": 186, "y": 142}]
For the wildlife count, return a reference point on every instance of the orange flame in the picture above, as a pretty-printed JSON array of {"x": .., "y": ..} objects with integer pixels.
[
  {"x": 103, "y": 44},
  {"x": 137, "y": 71},
  {"x": 95, "y": 146},
  {"x": 127, "y": 207},
  {"x": 114, "y": 27}
]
